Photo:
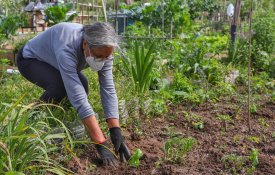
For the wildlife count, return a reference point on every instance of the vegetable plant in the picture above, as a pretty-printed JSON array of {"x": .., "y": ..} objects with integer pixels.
[
  {"x": 57, "y": 14},
  {"x": 10, "y": 24},
  {"x": 134, "y": 159}
]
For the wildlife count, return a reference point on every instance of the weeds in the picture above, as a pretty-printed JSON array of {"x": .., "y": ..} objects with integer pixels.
[
  {"x": 239, "y": 164},
  {"x": 176, "y": 148},
  {"x": 253, "y": 139},
  {"x": 233, "y": 163},
  {"x": 225, "y": 119}
]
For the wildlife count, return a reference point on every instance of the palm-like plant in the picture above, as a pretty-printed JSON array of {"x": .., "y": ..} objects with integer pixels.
[{"x": 140, "y": 65}]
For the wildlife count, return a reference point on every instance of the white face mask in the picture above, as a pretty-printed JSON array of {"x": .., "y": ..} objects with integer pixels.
[{"x": 94, "y": 64}]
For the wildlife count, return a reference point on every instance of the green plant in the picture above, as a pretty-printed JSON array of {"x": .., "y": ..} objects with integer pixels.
[
  {"x": 233, "y": 163},
  {"x": 24, "y": 144},
  {"x": 198, "y": 6},
  {"x": 194, "y": 120},
  {"x": 140, "y": 67},
  {"x": 175, "y": 12},
  {"x": 176, "y": 148},
  {"x": 4, "y": 62},
  {"x": 253, "y": 139},
  {"x": 134, "y": 159},
  {"x": 262, "y": 122},
  {"x": 225, "y": 119},
  {"x": 57, "y": 14},
  {"x": 253, "y": 157},
  {"x": 198, "y": 125},
  {"x": 253, "y": 108},
  {"x": 158, "y": 107},
  {"x": 10, "y": 24},
  {"x": 264, "y": 30}
]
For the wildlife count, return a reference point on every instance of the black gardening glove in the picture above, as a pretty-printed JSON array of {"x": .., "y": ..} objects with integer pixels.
[
  {"x": 106, "y": 155},
  {"x": 119, "y": 144}
]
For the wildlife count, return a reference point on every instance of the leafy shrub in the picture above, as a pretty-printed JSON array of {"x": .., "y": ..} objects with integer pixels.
[
  {"x": 263, "y": 26},
  {"x": 261, "y": 83},
  {"x": 152, "y": 15},
  {"x": 57, "y": 14},
  {"x": 192, "y": 58},
  {"x": 263, "y": 43},
  {"x": 10, "y": 24},
  {"x": 176, "y": 148},
  {"x": 181, "y": 83},
  {"x": 197, "y": 6}
]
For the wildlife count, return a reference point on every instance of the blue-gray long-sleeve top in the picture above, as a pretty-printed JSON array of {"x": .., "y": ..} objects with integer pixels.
[{"x": 61, "y": 47}]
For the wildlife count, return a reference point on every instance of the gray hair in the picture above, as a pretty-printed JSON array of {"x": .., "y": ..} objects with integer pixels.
[{"x": 100, "y": 34}]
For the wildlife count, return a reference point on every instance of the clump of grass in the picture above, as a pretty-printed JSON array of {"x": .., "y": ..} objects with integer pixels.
[
  {"x": 175, "y": 149},
  {"x": 24, "y": 144},
  {"x": 233, "y": 163},
  {"x": 225, "y": 119}
]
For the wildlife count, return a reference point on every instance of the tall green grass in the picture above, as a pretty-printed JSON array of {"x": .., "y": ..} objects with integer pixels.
[{"x": 25, "y": 143}]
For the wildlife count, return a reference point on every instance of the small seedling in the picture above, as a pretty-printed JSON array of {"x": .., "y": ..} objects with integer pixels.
[
  {"x": 254, "y": 157},
  {"x": 198, "y": 125},
  {"x": 253, "y": 109},
  {"x": 233, "y": 163},
  {"x": 195, "y": 120},
  {"x": 237, "y": 138},
  {"x": 225, "y": 119},
  {"x": 176, "y": 148},
  {"x": 253, "y": 139},
  {"x": 134, "y": 160},
  {"x": 262, "y": 122}
]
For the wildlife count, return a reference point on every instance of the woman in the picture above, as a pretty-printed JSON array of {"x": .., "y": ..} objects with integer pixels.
[{"x": 54, "y": 60}]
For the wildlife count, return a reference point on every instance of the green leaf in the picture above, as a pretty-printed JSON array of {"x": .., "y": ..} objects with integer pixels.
[
  {"x": 134, "y": 160},
  {"x": 3, "y": 116},
  {"x": 14, "y": 173}
]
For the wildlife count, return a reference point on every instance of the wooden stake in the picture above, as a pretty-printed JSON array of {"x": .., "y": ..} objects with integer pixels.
[{"x": 249, "y": 65}]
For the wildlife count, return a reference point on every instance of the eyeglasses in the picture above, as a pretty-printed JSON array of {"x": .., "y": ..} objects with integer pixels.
[
  {"x": 109, "y": 58},
  {"x": 97, "y": 59}
]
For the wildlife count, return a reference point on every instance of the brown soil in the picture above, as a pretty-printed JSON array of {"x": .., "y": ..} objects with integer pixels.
[{"x": 213, "y": 143}]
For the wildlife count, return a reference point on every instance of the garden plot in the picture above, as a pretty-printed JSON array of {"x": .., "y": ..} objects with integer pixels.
[{"x": 191, "y": 101}]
